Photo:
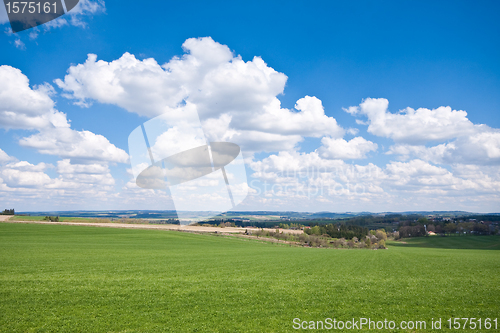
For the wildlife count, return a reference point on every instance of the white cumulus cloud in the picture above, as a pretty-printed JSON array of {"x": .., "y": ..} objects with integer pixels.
[
  {"x": 66, "y": 142},
  {"x": 4, "y": 157},
  {"x": 356, "y": 148},
  {"x": 23, "y": 107},
  {"x": 413, "y": 126},
  {"x": 441, "y": 135},
  {"x": 24, "y": 174},
  {"x": 481, "y": 148},
  {"x": 238, "y": 97}
]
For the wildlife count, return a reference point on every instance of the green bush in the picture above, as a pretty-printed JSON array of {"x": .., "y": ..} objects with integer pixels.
[{"x": 381, "y": 244}]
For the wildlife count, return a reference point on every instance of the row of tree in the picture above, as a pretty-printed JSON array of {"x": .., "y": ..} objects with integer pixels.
[
  {"x": 412, "y": 231},
  {"x": 465, "y": 228},
  {"x": 8, "y": 212},
  {"x": 374, "y": 240},
  {"x": 295, "y": 226},
  {"x": 338, "y": 231},
  {"x": 462, "y": 228}
]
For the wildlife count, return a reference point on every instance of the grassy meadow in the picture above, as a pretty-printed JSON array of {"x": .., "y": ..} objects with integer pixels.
[
  {"x": 57, "y": 278},
  {"x": 61, "y": 219}
]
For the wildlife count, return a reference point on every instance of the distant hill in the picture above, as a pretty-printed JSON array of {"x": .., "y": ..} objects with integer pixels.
[{"x": 168, "y": 214}]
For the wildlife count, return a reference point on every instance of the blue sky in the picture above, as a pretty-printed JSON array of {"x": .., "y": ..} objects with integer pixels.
[{"x": 349, "y": 58}]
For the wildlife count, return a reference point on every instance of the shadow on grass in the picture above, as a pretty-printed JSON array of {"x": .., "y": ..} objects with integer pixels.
[{"x": 451, "y": 242}]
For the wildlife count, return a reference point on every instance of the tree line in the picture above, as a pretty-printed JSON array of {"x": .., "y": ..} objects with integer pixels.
[
  {"x": 8, "y": 212},
  {"x": 338, "y": 231},
  {"x": 423, "y": 225},
  {"x": 375, "y": 239}
]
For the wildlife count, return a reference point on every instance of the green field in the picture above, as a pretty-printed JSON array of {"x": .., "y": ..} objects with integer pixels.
[
  {"x": 61, "y": 219},
  {"x": 453, "y": 242},
  {"x": 87, "y": 279}
]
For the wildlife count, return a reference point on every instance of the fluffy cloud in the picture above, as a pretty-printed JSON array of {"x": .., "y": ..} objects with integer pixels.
[
  {"x": 84, "y": 175},
  {"x": 309, "y": 121},
  {"x": 481, "y": 148},
  {"x": 486, "y": 179},
  {"x": 26, "y": 166},
  {"x": 65, "y": 167},
  {"x": 308, "y": 182},
  {"x": 413, "y": 126},
  {"x": 235, "y": 99},
  {"x": 4, "y": 157},
  {"x": 419, "y": 174},
  {"x": 307, "y": 179},
  {"x": 434, "y": 154},
  {"x": 420, "y": 177},
  {"x": 355, "y": 148},
  {"x": 208, "y": 74},
  {"x": 22, "y": 107},
  {"x": 445, "y": 161},
  {"x": 76, "y": 183},
  {"x": 66, "y": 142},
  {"x": 18, "y": 178},
  {"x": 24, "y": 174},
  {"x": 310, "y": 169},
  {"x": 137, "y": 86},
  {"x": 27, "y": 186},
  {"x": 462, "y": 141}
]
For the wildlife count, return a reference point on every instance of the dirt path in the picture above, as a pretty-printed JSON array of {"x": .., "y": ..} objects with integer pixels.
[
  {"x": 188, "y": 228},
  {"x": 5, "y": 217}
]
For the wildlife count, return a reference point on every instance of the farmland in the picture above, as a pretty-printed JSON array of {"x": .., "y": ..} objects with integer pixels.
[
  {"x": 61, "y": 219},
  {"x": 76, "y": 278}
]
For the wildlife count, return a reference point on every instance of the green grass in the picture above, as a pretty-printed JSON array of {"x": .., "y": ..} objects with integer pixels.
[
  {"x": 61, "y": 219},
  {"x": 85, "y": 279},
  {"x": 453, "y": 242}
]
